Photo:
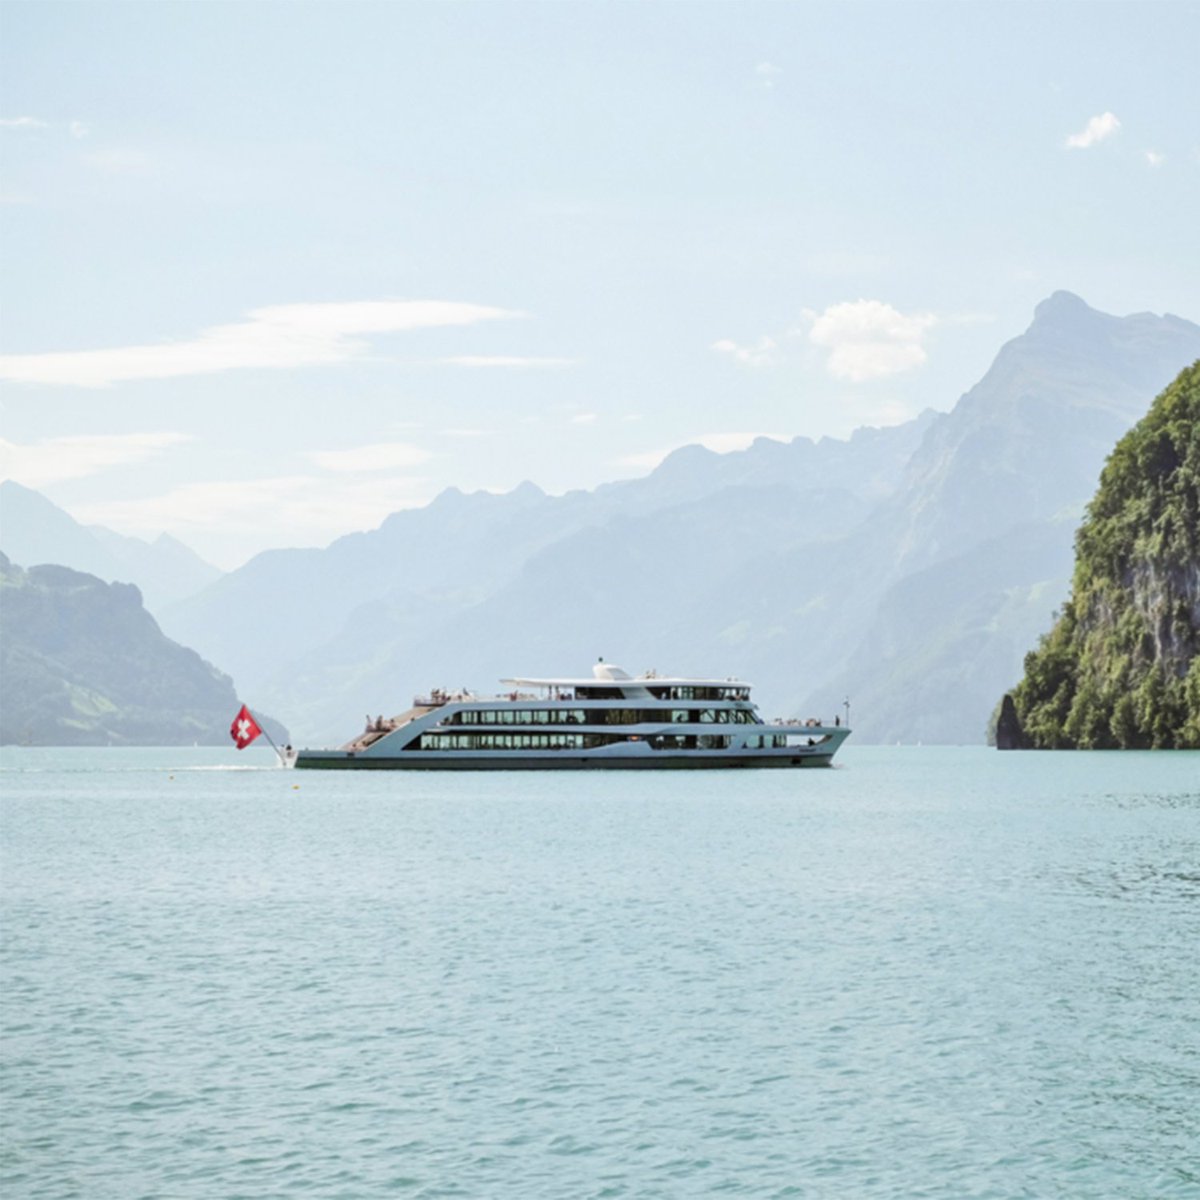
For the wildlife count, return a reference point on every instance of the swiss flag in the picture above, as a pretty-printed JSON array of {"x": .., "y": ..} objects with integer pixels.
[{"x": 244, "y": 728}]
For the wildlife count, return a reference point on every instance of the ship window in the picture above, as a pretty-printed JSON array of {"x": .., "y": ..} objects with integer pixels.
[
  {"x": 707, "y": 716},
  {"x": 622, "y": 716},
  {"x": 680, "y": 716}
]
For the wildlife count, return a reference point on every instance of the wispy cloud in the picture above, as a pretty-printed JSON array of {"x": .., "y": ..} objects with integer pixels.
[
  {"x": 380, "y": 456},
  {"x": 77, "y": 129},
  {"x": 277, "y": 338},
  {"x": 1096, "y": 130},
  {"x": 502, "y": 360},
  {"x": 118, "y": 160},
  {"x": 1155, "y": 159},
  {"x": 271, "y": 510},
  {"x": 761, "y": 353},
  {"x": 56, "y": 459},
  {"x": 583, "y": 419},
  {"x": 719, "y": 443},
  {"x": 868, "y": 339}
]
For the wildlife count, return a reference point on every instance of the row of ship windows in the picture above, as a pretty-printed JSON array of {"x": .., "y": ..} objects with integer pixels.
[
  {"x": 505, "y": 741},
  {"x": 602, "y": 716},
  {"x": 581, "y": 741},
  {"x": 700, "y": 693}
]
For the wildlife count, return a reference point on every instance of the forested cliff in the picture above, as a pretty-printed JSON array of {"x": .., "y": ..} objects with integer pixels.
[{"x": 1121, "y": 666}]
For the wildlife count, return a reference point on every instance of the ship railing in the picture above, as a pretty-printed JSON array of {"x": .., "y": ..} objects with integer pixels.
[{"x": 439, "y": 696}]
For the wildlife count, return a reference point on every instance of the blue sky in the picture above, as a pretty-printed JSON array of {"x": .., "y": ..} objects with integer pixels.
[{"x": 271, "y": 271}]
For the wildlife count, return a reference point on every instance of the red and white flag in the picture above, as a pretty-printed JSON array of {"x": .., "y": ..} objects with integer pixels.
[{"x": 244, "y": 728}]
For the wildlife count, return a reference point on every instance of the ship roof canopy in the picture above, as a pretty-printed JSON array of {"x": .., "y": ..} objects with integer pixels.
[{"x": 628, "y": 681}]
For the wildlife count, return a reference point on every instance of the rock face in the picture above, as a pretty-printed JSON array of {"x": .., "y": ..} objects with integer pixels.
[
  {"x": 1121, "y": 667},
  {"x": 1009, "y": 734},
  {"x": 83, "y": 664}
]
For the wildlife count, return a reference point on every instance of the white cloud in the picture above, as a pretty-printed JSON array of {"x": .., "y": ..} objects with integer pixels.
[
  {"x": 759, "y": 354},
  {"x": 1155, "y": 159},
  {"x": 1096, "y": 130},
  {"x": 56, "y": 459},
  {"x": 380, "y": 456},
  {"x": 767, "y": 73},
  {"x": 720, "y": 443},
  {"x": 280, "y": 337},
  {"x": 79, "y": 129},
  {"x": 868, "y": 339},
  {"x": 22, "y": 123},
  {"x": 502, "y": 360},
  {"x": 583, "y": 419}
]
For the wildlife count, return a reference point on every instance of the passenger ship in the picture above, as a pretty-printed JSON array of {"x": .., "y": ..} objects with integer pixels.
[{"x": 609, "y": 721}]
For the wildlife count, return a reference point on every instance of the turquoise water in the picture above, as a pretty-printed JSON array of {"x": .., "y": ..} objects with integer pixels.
[{"x": 928, "y": 973}]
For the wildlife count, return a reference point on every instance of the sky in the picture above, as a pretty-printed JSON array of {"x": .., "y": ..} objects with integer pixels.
[{"x": 271, "y": 271}]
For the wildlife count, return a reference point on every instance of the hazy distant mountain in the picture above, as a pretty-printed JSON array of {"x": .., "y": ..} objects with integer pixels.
[
  {"x": 940, "y": 637},
  {"x": 321, "y": 630},
  {"x": 906, "y": 566},
  {"x": 1027, "y": 442},
  {"x": 35, "y": 530},
  {"x": 83, "y": 663}
]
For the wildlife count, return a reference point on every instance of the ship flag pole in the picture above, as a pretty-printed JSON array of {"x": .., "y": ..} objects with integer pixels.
[
  {"x": 246, "y": 727},
  {"x": 282, "y": 759}
]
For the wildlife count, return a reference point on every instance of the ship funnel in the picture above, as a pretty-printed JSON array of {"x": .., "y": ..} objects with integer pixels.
[{"x": 609, "y": 671}]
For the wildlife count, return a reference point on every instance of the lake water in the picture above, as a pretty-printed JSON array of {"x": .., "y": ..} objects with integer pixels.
[{"x": 926, "y": 973}]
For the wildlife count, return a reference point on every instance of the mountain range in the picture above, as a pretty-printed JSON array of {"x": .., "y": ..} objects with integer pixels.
[
  {"x": 33, "y": 530},
  {"x": 908, "y": 567}
]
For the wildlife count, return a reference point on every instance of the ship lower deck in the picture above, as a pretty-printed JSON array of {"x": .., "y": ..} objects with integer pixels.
[{"x": 441, "y": 761}]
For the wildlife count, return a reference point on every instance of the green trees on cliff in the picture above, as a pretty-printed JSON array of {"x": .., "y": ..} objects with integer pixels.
[{"x": 1121, "y": 667}]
